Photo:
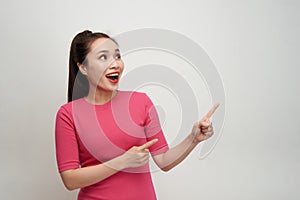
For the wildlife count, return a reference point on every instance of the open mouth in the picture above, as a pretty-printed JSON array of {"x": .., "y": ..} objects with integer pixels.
[{"x": 113, "y": 77}]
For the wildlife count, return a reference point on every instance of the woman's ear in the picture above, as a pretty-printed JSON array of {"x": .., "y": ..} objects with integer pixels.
[{"x": 82, "y": 68}]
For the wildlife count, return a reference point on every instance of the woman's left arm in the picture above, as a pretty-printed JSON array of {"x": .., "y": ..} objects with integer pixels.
[{"x": 201, "y": 131}]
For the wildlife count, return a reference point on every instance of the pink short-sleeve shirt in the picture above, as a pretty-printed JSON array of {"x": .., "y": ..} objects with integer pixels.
[{"x": 88, "y": 134}]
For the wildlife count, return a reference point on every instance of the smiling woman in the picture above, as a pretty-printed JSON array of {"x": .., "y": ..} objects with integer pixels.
[
  {"x": 104, "y": 136},
  {"x": 96, "y": 50},
  {"x": 102, "y": 67}
]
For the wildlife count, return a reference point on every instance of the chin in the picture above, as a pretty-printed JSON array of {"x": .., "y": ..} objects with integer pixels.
[{"x": 108, "y": 89}]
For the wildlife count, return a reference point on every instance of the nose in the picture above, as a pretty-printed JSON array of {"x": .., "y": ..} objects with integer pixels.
[{"x": 114, "y": 64}]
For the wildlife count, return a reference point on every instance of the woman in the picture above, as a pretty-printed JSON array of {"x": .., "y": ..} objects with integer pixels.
[{"x": 104, "y": 136}]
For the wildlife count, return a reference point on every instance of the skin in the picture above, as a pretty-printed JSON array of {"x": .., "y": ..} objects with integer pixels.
[{"x": 104, "y": 58}]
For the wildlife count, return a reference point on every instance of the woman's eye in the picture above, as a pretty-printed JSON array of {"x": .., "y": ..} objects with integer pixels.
[
  {"x": 103, "y": 57},
  {"x": 118, "y": 56}
]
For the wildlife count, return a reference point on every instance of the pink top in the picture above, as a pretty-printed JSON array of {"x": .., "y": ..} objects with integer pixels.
[{"x": 88, "y": 134}]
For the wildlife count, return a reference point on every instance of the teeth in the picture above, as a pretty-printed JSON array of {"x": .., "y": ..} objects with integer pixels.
[{"x": 114, "y": 74}]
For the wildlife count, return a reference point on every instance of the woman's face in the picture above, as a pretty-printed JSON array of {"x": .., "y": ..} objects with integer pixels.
[{"x": 104, "y": 65}]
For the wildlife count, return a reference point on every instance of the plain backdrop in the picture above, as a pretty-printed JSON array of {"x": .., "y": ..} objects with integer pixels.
[{"x": 254, "y": 45}]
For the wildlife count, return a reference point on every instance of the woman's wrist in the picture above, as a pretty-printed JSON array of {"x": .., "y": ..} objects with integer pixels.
[
  {"x": 117, "y": 163},
  {"x": 194, "y": 140}
]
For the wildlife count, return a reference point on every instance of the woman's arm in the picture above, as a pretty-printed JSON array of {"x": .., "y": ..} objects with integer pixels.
[
  {"x": 201, "y": 131},
  {"x": 135, "y": 157},
  {"x": 168, "y": 160},
  {"x": 82, "y": 177}
]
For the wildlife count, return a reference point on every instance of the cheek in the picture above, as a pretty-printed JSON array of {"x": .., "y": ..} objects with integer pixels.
[
  {"x": 97, "y": 71},
  {"x": 122, "y": 66}
]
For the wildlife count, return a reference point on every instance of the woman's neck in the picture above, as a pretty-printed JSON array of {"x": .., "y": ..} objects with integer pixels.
[{"x": 100, "y": 96}]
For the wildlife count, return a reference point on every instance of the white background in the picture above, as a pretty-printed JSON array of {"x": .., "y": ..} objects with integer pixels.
[{"x": 254, "y": 45}]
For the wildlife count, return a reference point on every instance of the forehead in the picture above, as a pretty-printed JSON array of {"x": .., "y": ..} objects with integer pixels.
[{"x": 103, "y": 44}]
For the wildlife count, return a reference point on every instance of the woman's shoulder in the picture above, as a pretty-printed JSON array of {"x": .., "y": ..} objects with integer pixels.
[
  {"x": 67, "y": 108},
  {"x": 136, "y": 98}
]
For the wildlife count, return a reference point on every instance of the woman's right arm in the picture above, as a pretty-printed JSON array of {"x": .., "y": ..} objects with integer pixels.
[
  {"x": 82, "y": 177},
  {"x": 135, "y": 157}
]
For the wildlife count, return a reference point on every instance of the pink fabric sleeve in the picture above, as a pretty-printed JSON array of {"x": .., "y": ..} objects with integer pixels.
[
  {"x": 67, "y": 154},
  {"x": 153, "y": 129}
]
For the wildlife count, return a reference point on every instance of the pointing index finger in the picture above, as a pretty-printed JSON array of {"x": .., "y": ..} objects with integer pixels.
[
  {"x": 148, "y": 144},
  {"x": 211, "y": 111}
]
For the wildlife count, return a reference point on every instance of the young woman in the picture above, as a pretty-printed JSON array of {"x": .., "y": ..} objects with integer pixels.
[{"x": 104, "y": 136}]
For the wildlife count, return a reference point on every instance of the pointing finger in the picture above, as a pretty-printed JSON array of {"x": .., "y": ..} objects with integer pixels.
[
  {"x": 148, "y": 144},
  {"x": 211, "y": 112}
]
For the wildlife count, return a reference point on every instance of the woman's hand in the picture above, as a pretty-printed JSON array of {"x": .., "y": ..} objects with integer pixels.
[
  {"x": 203, "y": 129},
  {"x": 137, "y": 156}
]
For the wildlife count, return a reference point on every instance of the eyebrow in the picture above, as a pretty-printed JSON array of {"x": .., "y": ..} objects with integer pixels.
[{"x": 107, "y": 51}]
